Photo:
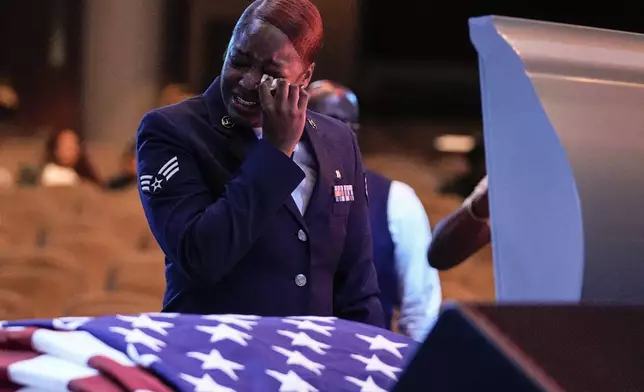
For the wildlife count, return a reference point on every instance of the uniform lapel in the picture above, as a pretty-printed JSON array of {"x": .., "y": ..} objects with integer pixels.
[
  {"x": 290, "y": 204},
  {"x": 322, "y": 192},
  {"x": 321, "y": 195},
  {"x": 239, "y": 139},
  {"x": 292, "y": 208}
]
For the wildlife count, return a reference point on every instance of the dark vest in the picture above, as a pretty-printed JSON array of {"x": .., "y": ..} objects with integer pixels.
[{"x": 383, "y": 245}]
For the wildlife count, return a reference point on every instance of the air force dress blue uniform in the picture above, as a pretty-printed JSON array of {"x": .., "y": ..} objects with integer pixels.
[{"x": 218, "y": 201}]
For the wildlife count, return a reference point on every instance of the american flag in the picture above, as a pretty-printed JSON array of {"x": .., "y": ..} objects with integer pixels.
[{"x": 215, "y": 353}]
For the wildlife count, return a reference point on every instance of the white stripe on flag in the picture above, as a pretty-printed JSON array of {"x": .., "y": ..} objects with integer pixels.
[
  {"x": 47, "y": 372},
  {"x": 76, "y": 347}
]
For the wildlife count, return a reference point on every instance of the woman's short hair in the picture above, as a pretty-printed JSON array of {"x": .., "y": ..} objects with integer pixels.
[{"x": 299, "y": 20}]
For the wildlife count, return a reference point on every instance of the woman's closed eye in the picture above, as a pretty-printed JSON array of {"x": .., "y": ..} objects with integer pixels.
[{"x": 239, "y": 62}]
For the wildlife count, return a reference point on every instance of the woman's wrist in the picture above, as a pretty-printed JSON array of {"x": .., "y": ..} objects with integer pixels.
[{"x": 479, "y": 209}]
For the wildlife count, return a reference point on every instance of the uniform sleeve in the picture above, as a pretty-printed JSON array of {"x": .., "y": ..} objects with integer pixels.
[
  {"x": 419, "y": 283},
  {"x": 356, "y": 285},
  {"x": 203, "y": 234}
]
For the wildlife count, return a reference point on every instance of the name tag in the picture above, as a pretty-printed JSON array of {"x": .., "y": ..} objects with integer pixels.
[{"x": 343, "y": 193}]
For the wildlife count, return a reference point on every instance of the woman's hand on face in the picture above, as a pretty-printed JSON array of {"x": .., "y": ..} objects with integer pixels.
[{"x": 283, "y": 114}]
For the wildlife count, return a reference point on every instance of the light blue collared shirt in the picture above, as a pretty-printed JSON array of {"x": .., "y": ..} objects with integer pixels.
[{"x": 419, "y": 283}]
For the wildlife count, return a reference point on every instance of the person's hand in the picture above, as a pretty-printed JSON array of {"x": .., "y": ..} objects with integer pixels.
[
  {"x": 481, "y": 206},
  {"x": 284, "y": 114}
]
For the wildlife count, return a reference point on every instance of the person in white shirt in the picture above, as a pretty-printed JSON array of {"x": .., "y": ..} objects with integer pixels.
[
  {"x": 463, "y": 233},
  {"x": 66, "y": 162},
  {"x": 400, "y": 230}
]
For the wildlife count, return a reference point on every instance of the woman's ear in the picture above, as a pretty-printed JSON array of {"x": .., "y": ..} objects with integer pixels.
[{"x": 307, "y": 75}]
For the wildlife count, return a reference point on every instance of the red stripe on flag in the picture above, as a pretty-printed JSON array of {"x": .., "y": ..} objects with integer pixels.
[
  {"x": 8, "y": 358},
  {"x": 16, "y": 339},
  {"x": 96, "y": 383},
  {"x": 131, "y": 377},
  {"x": 15, "y": 346}
]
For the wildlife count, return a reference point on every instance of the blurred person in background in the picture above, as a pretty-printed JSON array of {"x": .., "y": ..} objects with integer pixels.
[
  {"x": 258, "y": 204},
  {"x": 463, "y": 233},
  {"x": 467, "y": 230},
  {"x": 126, "y": 177},
  {"x": 6, "y": 177},
  {"x": 66, "y": 162},
  {"x": 464, "y": 183},
  {"x": 400, "y": 229},
  {"x": 9, "y": 102},
  {"x": 175, "y": 93}
]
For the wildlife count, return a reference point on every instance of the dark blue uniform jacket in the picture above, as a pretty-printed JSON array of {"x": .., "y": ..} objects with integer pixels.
[{"x": 218, "y": 201}]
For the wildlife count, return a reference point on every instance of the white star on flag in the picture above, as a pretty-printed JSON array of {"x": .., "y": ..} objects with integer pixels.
[
  {"x": 242, "y": 321},
  {"x": 302, "y": 339},
  {"x": 224, "y": 332},
  {"x": 297, "y": 358},
  {"x": 382, "y": 343},
  {"x": 311, "y": 326},
  {"x": 145, "y": 360},
  {"x": 144, "y": 321},
  {"x": 205, "y": 383},
  {"x": 69, "y": 323},
  {"x": 291, "y": 382},
  {"x": 374, "y": 364},
  {"x": 137, "y": 336},
  {"x": 319, "y": 319},
  {"x": 214, "y": 360},
  {"x": 365, "y": 386}
]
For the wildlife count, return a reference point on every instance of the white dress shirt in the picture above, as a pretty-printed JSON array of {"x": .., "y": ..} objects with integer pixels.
[
  {"x": 6, "y": 178},
  {"x": 419, "y": 283},
  {"x": 55, "y": 175},
  {"x": 303, "y": 158}
]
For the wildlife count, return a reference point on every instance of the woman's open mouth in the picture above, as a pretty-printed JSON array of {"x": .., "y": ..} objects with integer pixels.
[{"x": 245, "y": 105}]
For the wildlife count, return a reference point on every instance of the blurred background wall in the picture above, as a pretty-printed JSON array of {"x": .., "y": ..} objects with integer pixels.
[{"x": 409, "y": 61}]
